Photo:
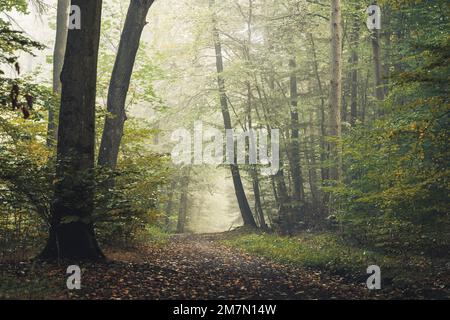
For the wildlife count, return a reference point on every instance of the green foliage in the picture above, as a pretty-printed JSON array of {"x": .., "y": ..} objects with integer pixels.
[
  {"x": 19, "y": 5},
  {"x": 27, "y": 166},
  {"x": 26, "y": 175},
  {"x": 396, "y": 187},
  {"x": 320, "y": 251},
  {"x": 35, "y": 289},
  {"x": 12, "y": 41},
  {"x": 156, "y": 236},
  {"x": 329, "y": 253},
  {"x": 124, "y": 213}
]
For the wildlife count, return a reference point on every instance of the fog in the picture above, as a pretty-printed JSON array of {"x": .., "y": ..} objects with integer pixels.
[{"x": 212, "y": 206}]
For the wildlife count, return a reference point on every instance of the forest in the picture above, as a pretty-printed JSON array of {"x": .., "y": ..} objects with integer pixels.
[{"x": 230, "y": 150}]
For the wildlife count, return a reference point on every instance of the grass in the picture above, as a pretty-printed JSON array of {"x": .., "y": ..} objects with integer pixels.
[
  {"x": 157, "y": 236},
  {"x": 13, "y": 287},
  {"x": 419, "y": 275},
  {"x": 324, "y": 251}
]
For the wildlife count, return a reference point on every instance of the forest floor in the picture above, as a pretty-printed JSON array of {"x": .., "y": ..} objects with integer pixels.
[{"x": 184, "y": 267}]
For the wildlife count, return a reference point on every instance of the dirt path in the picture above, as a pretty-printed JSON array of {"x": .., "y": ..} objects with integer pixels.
[
  {"x": 193, "y": 267},
  {"x": 199, "y": 267}
]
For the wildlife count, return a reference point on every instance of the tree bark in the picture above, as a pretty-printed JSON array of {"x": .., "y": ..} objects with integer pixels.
[
  {"x": 182, "y": 213},
  {"x": 336, "y": 88},
  {"x": 297, "y": 177},
  {"x": 365, "y": 98},
  {"x": 71, "y": 231},
  {"x": 120, "y": 83},
  {"x": 378, "y": 67},
  {"x": 354, "y": 60},
  {"x": 311, "y": 158},
  {"x": 261, "y": 220},
  {"x": 246, "y": 212},
  {"x": 58, "y": 62},
  {"x": 169, "y": 205},
  {"x": 258, "y": 203},
  {"x": 284, "y": 210},
  {"x": 253, "y": 169},
  {"x": 323, "y": 132}
]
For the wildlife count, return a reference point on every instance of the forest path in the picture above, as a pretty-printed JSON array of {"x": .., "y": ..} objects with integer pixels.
[
  {"x": 200, "y": 267},
  {"x": 184, "y": 267}
]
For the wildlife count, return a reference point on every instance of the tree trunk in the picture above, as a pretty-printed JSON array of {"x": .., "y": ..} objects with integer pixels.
[
  {"x": 58, "y": 61},
  {"x": 297, "y": 177},
  {"x": 336, "y": 87},
  {"x": 284, "y": 210},
  {"x": 311, "y": 157},
  {"x": 169, "y": 205},
  {"x": 378, "y": 67},
  {"x": 387, "y": 51},
  {"x": 376, "y": 52},
  {"x": 120, "y": 83},
  {"x": 253, "y": 169},
  {"x": 345, "y": 90},
  {"x": 354, "y": 60},
  {"x": 246, "y": 212},
  {"x": 182, "y": 213},
  {"x": 323, "y": 146},
  {"x": 258, "y": 203},
  {"x": 365, "y": 98},
  {"x": 71, "y": 232}
]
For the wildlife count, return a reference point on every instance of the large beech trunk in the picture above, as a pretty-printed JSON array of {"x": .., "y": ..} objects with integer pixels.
[{"x": 71, "y": 231}]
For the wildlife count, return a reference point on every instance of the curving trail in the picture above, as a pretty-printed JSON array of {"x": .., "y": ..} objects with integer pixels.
[
  {"x": 199, "y": 267},
  {"x": 187, "y": 267}
]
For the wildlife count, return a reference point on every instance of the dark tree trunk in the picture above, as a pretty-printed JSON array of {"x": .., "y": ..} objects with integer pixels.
[
  {"x": 58, "y": 61},
  {"x": 253, "y": 169},
  {"x": 274, "y": 190},
  {"x": 387, "y": 51},
  {"x": 378, "y": 67},
  {"x": 285, "y": 213},
  {"x": 297, "y": 177},
  {"x": 169, "y": 205},
  {"x": 182, "y": 213},
  {"x": 354, "y": 86},
  {"x": 336, "y": 88},
  {"x": 71, "y": 232},
  {"x": 246, "y": 212},
  {"x": 311, "y": 155},
  {"x": 322, "y": 120},
  {"x": 258, "y": 203},
  {"x": 346, "y": 88},
  {"x": 354, "y": 60},
  {"x": 120, "y": 83}
]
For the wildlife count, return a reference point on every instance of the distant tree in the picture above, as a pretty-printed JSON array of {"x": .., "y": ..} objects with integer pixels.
[
  {"x": 58, "y": 61},
  {"x": 183, "y": 208},
  {"x": 354, "y": 60},
  {"x": 297, "y": 177},
  {"x": 244, "y": 206},
  {"x": 377, "y": 62},
  {"x": 336, "y": 87}
]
